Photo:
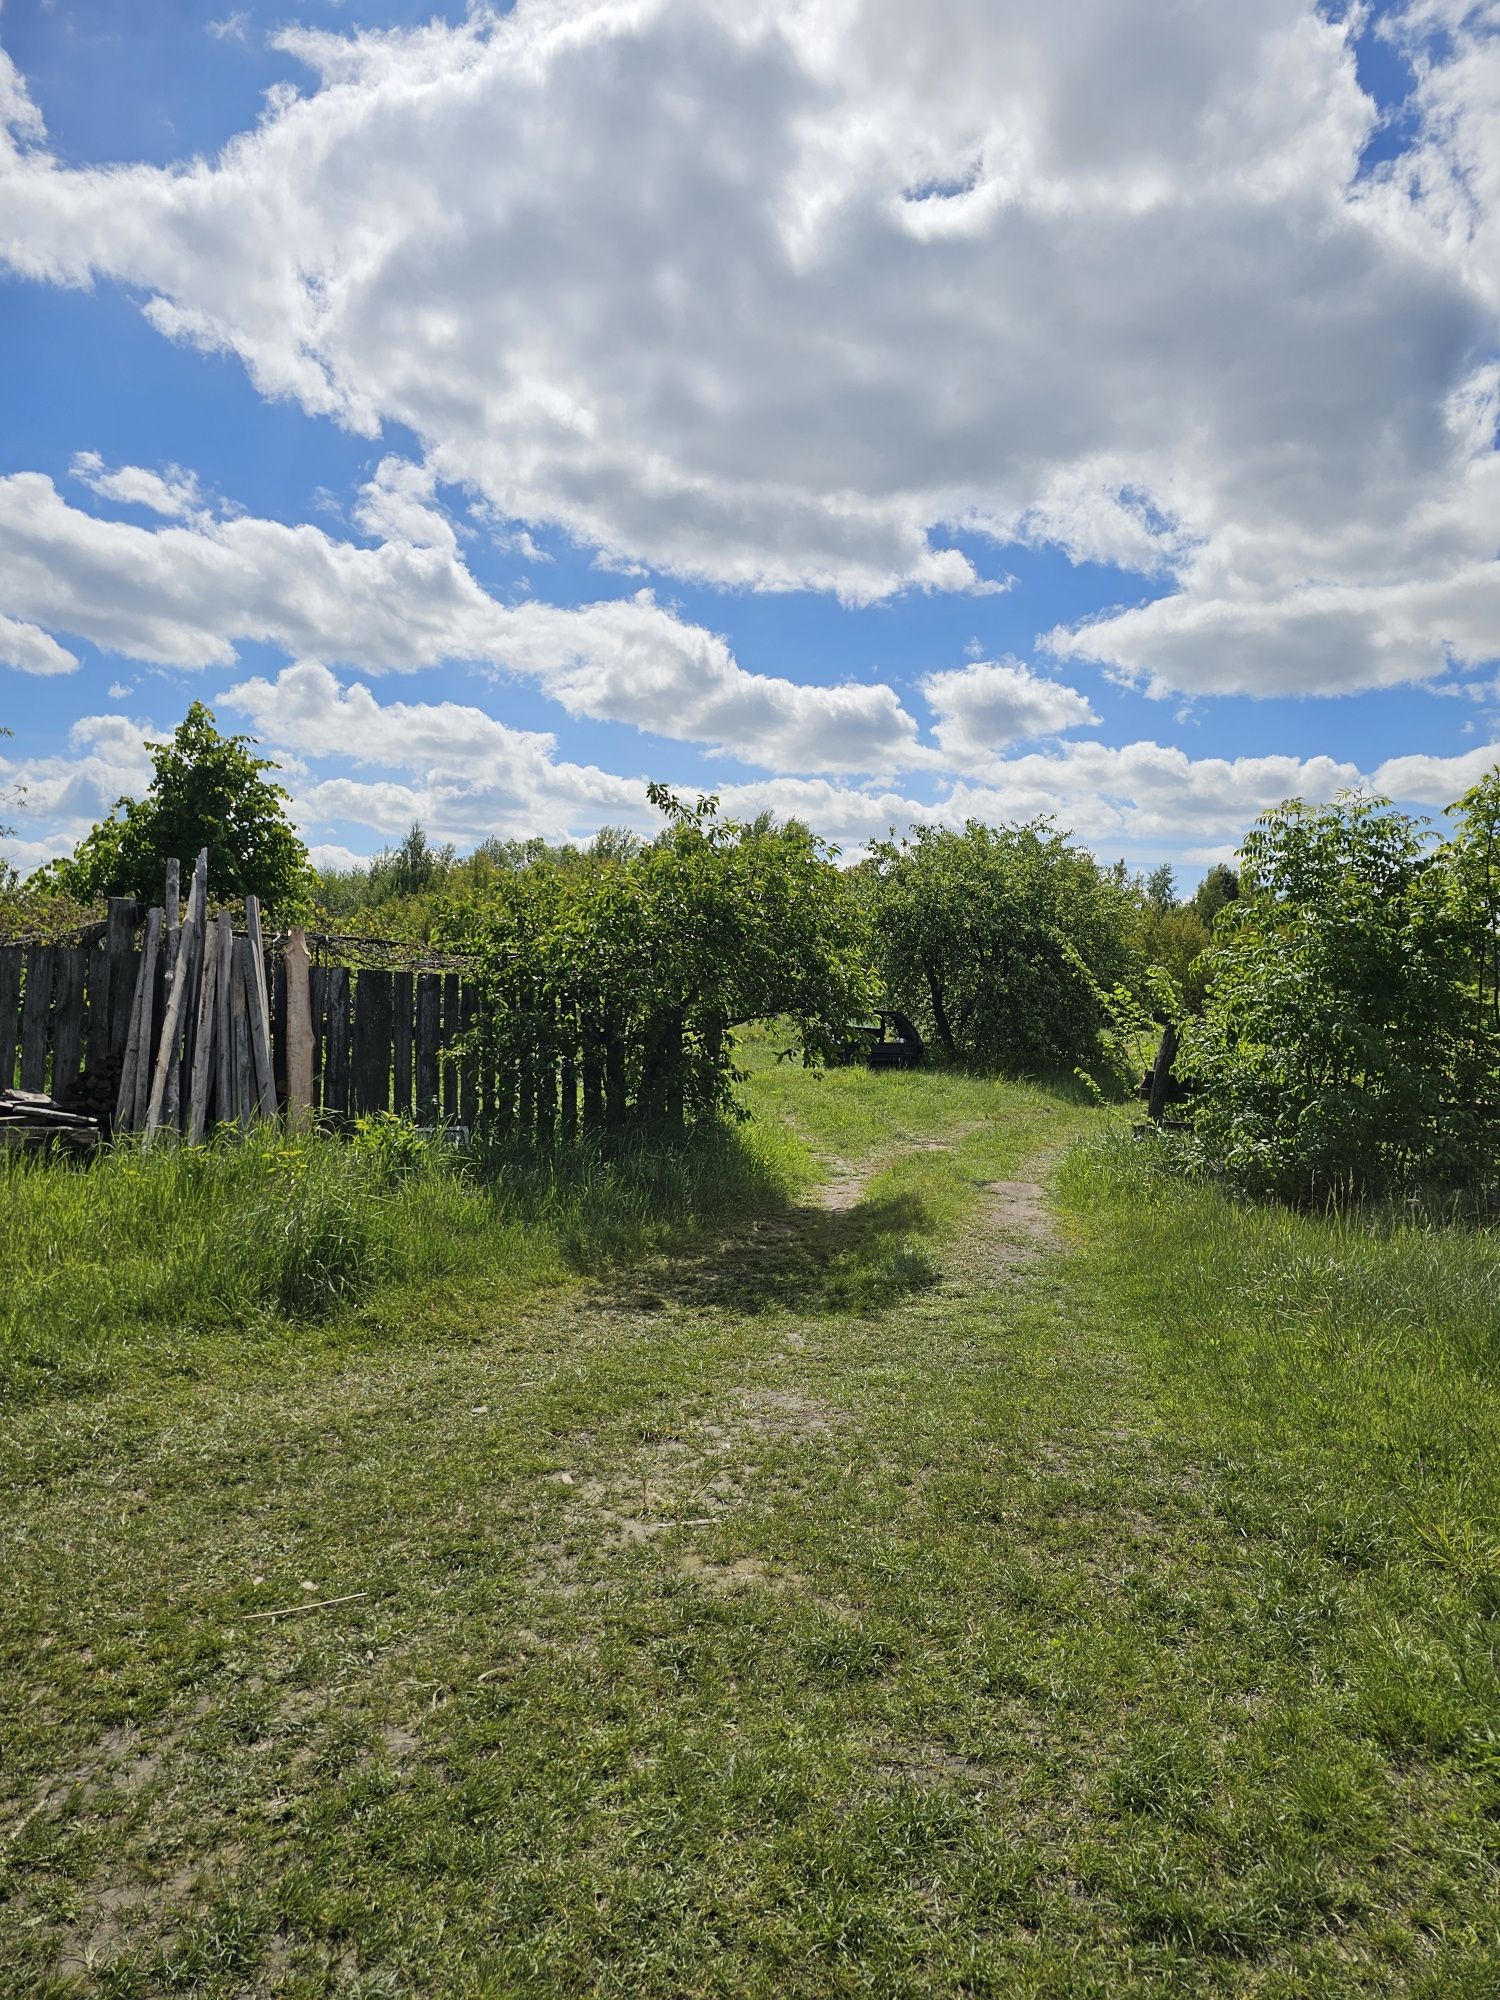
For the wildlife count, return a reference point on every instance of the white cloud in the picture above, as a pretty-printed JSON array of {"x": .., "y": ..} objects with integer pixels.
[
  {"x": 173, "y": 493},
  {"x": 777, "y": 295},
  {"x": 985, "y": 707},
  {"x": 30, "y": 650},
  {"x": 231, "y": 28},
  {"x": 187, "y": 595},
  {"x": 1435, "y": 781}
]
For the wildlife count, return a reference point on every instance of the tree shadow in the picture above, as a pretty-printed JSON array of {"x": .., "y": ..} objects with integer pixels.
[{"x": 805, "y": 1258}]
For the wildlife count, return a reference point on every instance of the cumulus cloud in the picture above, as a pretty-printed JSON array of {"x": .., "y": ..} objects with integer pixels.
[
  {"x": 186, "y": 595},
  {"x": 781, "y": 296},
  {"x": 30, "y": 650},
  {"x": 173, "y": 492},
  {"x": 475, "y": 773},
  {"x": 985, "y": 707},
  {"x": 1435, "y": 781}
]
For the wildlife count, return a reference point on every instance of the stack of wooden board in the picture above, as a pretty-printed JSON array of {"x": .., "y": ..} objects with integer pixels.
[
  {"x": 200, "y": 1054},
  {"x": 31, "y": 1119}
]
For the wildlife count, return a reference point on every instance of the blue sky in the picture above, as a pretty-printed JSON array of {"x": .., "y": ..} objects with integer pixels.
[{"x": 867, "y": 416}]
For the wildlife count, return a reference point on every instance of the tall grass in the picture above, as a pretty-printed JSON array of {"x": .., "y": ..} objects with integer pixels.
[
  {"x": 141, "y": 1255},
  {"x": 1336, "y": 1381}
]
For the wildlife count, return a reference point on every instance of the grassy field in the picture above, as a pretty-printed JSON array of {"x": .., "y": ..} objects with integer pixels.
[{"x": 811, "y": 1566}]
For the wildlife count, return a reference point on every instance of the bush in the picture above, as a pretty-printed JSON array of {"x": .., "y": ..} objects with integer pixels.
[{"x": 1350, "y": 1042}]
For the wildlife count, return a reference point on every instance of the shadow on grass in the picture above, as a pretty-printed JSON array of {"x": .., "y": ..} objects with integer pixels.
[{"x": 805, "y": 1259}]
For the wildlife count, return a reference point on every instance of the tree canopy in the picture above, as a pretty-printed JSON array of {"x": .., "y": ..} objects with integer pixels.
[
  {"x": 207, "y": 790},
  {"x": 1002, "y": 942}
]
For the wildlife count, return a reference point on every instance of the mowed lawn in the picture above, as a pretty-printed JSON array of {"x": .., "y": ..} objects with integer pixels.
[{"x": 823, "y": 1570}]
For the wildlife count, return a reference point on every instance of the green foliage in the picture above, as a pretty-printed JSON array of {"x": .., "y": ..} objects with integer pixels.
[
  {"x": 1161, "y": 890},
  {"x": 1004, "y": 942},
  {"x": 1219, "y": 886},
  {"x": 628, "y": 974},
  {"x": 207, "y": 791},
  {"x": 1175, "y": 939},
  {"x": 1350, "y": 1043}
]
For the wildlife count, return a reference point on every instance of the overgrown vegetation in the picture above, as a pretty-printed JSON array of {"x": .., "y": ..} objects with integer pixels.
[
  {"x": 1350, "y": 1043},
  {"x": 1002, "y": 942},
  {"x": 612, "y": 990}
]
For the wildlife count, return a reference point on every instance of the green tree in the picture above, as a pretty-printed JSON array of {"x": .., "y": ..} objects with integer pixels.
[
  {"x": 1002, "y": 941},
  {"x": 1161, "y": 889},
  {"x": 1338, "y": 1052},
  {"x": 1219, "y": 886},
  {"x": 207, "y": 790}
]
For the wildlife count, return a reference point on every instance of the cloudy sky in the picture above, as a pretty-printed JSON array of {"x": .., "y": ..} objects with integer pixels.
[{"x": 872, "y": 411}]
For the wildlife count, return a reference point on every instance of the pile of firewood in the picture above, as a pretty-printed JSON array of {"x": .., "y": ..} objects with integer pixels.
[{"x": 30, "y": 1119}]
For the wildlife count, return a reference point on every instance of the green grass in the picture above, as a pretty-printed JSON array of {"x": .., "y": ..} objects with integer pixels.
[{"x": 747, "y": 1596}]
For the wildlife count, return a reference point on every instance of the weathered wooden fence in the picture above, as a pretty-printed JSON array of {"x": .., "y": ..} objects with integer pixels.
[{"x": 382, "y": 1039}]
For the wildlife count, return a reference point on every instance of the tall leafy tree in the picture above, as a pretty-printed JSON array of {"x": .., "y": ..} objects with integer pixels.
[
  {"x": 1002, "y": 941},
  {"x": 207, "y": 790}
]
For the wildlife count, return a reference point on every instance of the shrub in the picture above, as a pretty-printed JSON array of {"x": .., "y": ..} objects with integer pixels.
[{"x": 1350, "y": 1043}]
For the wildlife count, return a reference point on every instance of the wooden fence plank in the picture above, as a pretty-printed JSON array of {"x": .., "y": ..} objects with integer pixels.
[
  {"x": 429, "y": 1033},
  {"x": 96, "y": 989},
  {"x": 468, "y": 1083},
  {"x": 452, "y": 1027},
  {"x": 200, "y": 1084},
  {"x": 317, "y": 980},
  {"x": 35, "y": 1009},
  {"x": 130, "y": 1103},
  {"x": 372, "y": 1043},
  {"x": 67, "y": 1023},
  {"x": 10, "y": 1008},
  {"x": 124, "y": 967},
  {"x": 244, "y": 1091},
  {"x": 336, "y": 1067},
  {"x": 222, "y": 946},
  {"x": 403, "y": 1000}
]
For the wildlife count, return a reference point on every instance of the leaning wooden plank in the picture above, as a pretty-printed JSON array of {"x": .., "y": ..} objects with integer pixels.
[
  {"x": 67, "y": 1023},
  {"x": 163, "y": 1099},
  {"x": 224, "y": 1106},
  {"x": 299, "y": 1033},
  {"x": 10, "y": 1003},
  {"x": 170, "y": 945},
  {"x": 201, "y": 1085},
  {"x": 258, "y": 1000},
  {"x": 244, "y": 1093},
  {"x": 35, "y": 1009},
  {"x": 179, "y": 1083},
  {"x": 137, "y": 1040}
]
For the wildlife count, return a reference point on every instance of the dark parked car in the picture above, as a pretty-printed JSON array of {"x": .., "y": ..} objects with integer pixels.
[{"x": 890, "y": 1041}]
